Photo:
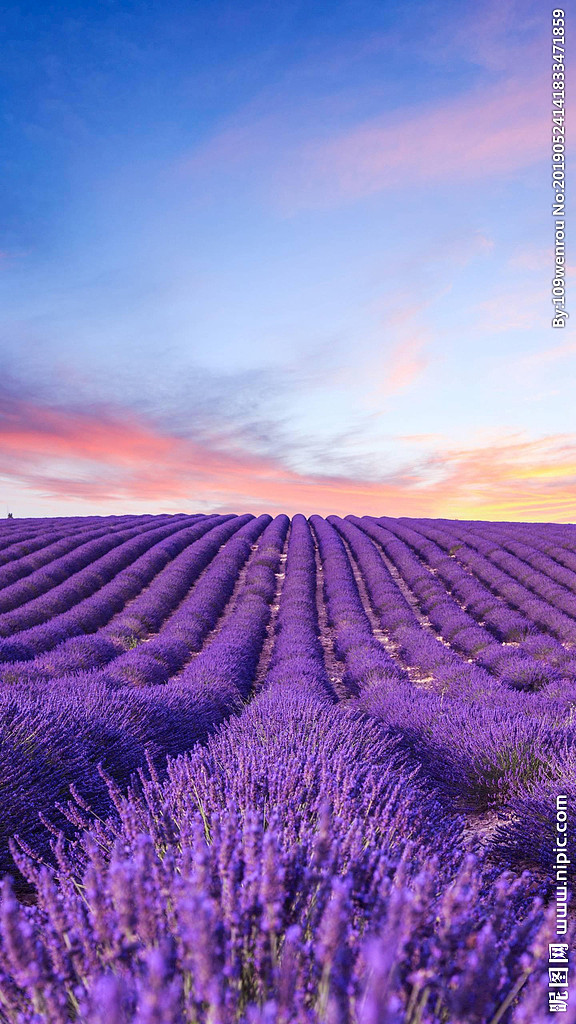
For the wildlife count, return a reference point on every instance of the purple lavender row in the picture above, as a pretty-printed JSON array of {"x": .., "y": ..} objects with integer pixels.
[
  {"x": 126, "y": 571},
  {"x": 284, "y": 874},
  {"x": 29, "y": 563},
  {"x": 452, "y": 624},
  {"x": 21, "y": 537},
  {"x": 522, "y": 666},
  {"x": 22, "y": 542},
  {"x": 531, "y": 660},
  {"x": 547, "y": 618},
  {"x": 110, "y": 556},
  {"x": 561, "y": 555},
  {"x": 529, "y": 576},
  {"x": 532, "y": 826},
  {"x": 297, "y": 655},
  {"x": 534, "y": 582},
  {"x": 55, "y": 736},
  {"x": 449, "y": 619},
  {"x": 147, "y": 612},
  {"x": 458, "y": 685},
  {"x": 365, "y": 659},
  {"x": 227, "y": 663},
  {"x": 530, "y": 551},
  {"x": 15, "y": 531},
  {"x": 75, "y": 554},
  {"x": 191, "y": 551},
  {"x": 33, "y": 534},
  {"x": 504, "y": 623},
  {"x": 420, "y": 648},
  {"x": 186, "y": 629},
  {"x": 552, "y": 539}
]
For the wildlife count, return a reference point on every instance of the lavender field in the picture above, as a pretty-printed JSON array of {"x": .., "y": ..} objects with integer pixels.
[{"x": 272, "y": 770}]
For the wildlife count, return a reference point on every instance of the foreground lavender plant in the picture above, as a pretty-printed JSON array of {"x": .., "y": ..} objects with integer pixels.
[{"x": 283, "y": 873}]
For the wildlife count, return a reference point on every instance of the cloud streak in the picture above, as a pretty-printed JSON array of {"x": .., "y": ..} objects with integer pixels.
[
  {"x": 497, "y": 131},
  {"x": 406, "y": 364}
]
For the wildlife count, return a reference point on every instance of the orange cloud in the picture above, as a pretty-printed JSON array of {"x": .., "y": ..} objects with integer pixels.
[{"x": 103, "y": 457}]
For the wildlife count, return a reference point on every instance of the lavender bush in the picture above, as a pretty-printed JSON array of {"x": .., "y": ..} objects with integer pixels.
[{"x": 267, "y": 770}]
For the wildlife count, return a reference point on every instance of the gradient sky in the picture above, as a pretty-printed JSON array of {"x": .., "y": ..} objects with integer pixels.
[{"x": 282, "y": 256}]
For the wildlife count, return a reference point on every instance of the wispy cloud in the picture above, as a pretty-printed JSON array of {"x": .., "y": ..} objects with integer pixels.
[
  {"x": 498, "y": 130},
  {"x": 495, "y": 129},
  {"x": 406, "y": 341},
  {"x": 406, "y": 364},
  {"x": 496, "y": 35}
]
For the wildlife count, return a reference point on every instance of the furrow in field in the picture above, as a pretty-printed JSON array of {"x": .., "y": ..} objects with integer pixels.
[
  {"x": 228, "y": 662},
  {"x": 383, "y": 636},
  {"x": 335, "y": 666},
  {"x": 409, "y": 596},
  {"x": 297, "y": 655},
  {"x": 237, "y": 593},
  {"x": 268, "y": 645},
  {"x": 412, "y": 599}
]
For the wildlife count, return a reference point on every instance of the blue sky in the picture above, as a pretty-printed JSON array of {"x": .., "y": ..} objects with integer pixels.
[{"x": 298, "y": 257}]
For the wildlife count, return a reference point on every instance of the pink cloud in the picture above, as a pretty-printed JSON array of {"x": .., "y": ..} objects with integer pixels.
[
  {"x": 406, "y": 364},
  {"x": 498, "y": 131},
  {"x": 299, "y": 164}
]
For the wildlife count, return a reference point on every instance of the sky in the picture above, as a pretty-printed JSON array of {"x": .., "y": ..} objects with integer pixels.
[{"x": 263, "y": 257}]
